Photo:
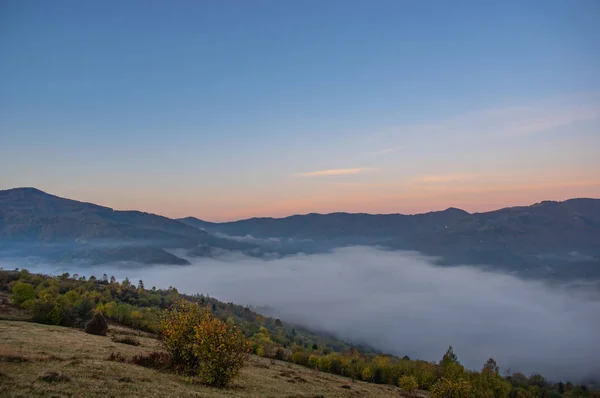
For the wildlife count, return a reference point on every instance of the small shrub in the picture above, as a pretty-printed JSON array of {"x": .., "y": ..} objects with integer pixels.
[
  {"x": 313, "y": 361},
  {"x": 97, "y": 325},
  {"x": 446, "y": 388},
  {"x": 408, "y": 383},
  {"x": 126, "y": 340},
  {"x": 347, "y": 387},
  {"x": 54, "y": 377},
  {"x": 125, "y": 379},
  {"x": 116, "y": 357}
]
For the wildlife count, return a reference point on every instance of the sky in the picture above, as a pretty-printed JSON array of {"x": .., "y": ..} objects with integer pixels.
[{"x": 225, "y": 110}]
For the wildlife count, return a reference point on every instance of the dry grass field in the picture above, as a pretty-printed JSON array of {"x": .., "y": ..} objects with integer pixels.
[{"x": 53, "y": 361}]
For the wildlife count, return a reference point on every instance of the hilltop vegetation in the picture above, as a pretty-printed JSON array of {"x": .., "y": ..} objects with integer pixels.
[{"x": 70, "y": 300}]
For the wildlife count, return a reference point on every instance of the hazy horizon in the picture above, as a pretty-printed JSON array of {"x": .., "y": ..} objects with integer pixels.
[{"x": 491, "y": 208}]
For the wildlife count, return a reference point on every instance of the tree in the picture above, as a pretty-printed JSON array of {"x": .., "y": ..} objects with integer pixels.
[
  {"x": 140, "y": 285},
  {"x": 21, "y": 292},
  {"x": 449, "y": 357},
  {"x": 491, "y": 367},
  {"x": 112, "y": 279},
  {"x": 490, "y": 383}
]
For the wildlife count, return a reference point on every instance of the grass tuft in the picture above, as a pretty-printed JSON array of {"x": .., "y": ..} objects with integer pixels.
[
  {"x": 154, "y": 360},
  {"x": 126, "y": 340},
  {"x": 54, "y": 377}
]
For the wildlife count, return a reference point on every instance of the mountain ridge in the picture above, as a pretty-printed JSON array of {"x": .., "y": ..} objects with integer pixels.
[
  {"x": 562, "y": 236},
  {"x": 37, "y": 223}
]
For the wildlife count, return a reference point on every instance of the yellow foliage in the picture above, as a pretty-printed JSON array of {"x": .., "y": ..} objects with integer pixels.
[
  {"x": 408, "y": 383},
  {"x": 445, "y": 388},
  {"x": 221, "y": 349},
  {"x": 313, "y": 361},
  {"x": 199, "y": 343},
  {"x": 367, "y": 374}
]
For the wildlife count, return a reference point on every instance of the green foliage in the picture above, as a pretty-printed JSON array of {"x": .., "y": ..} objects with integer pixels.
[
  {"x": 22, "y": 292},
  {"x": 313, "y": 361}
]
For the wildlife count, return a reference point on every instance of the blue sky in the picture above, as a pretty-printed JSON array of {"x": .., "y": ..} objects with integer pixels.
[{"x": 224, "y": 109}]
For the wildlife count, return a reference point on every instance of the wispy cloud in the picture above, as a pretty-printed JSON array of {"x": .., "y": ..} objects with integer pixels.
[
  {"x": 504, "y": 121},
  {"x": 443, "y": 178},
  {"x": 336, "y": 172}
]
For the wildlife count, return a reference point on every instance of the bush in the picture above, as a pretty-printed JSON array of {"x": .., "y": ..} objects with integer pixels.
[
  {"x": 445, "y": 388},
  {"x": 177, "y": 333},
  {"x": 313, "y": 361},
  {"x": 22, "y": 292},
  {"x": 408, "y": 383},
  {"x": 199, "y": 343},
  {"x": 221, "y": 349}
]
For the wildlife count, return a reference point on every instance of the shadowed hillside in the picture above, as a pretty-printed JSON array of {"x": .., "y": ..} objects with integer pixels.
[
  {"x": 547, "y": 239},
  {"x": 34, "y": 223}
]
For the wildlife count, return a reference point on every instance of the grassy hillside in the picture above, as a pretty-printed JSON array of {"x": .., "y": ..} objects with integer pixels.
[
  {"x": 30, "y": 353},
  {"x": 28, "y": 350}
]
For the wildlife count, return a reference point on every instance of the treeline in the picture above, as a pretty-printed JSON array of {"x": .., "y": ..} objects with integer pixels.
[{"x": 70, "y": 300}]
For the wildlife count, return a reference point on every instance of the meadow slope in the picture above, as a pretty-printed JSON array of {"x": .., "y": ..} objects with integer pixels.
[{"x": 30, "y": 352}]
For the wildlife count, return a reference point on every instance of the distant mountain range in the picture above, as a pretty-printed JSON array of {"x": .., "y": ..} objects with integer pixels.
[
  {"x": 559, "y": 240},
  {"x": 36, "y": 224},
  {"x": 548, "y": 239}
]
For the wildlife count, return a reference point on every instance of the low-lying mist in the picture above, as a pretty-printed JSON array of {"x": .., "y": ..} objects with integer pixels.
[{"x": 400, "y": 303}]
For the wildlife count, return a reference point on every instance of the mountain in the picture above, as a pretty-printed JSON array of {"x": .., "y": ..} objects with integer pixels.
[
  {"x": 558, "y": 240},
  {"x": 547, "y": 239},
  {"x": 34, "y": 223}
]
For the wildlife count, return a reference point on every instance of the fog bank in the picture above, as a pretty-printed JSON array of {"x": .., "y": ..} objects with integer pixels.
[{"x": 400, "y": 303}]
